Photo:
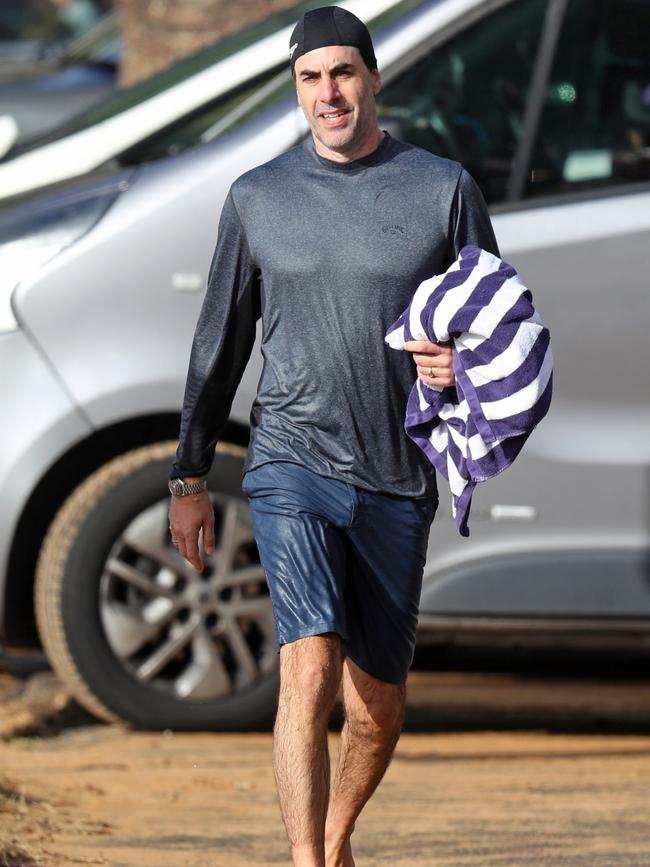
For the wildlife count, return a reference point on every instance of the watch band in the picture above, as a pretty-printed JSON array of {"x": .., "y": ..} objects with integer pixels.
[{"x": 180, "y": 488}]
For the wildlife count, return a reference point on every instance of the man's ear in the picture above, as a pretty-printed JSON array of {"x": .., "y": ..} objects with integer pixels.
[{"x": 376, "y": 81}]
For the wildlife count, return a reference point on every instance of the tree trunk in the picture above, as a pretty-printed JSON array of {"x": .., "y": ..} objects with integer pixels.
[{"x": 158, "y": 32}]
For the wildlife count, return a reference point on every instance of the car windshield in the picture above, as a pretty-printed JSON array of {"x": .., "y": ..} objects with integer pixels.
[{"x": 121, "y": 100}]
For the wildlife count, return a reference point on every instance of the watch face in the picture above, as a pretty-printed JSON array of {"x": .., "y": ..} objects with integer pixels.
[{"x": 176, "y": 486}]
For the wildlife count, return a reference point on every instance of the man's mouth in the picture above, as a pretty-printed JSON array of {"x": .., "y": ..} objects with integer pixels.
[{"x": 335, "y": 116}]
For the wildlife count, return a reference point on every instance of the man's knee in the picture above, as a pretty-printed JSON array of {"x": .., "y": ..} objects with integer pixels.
[
  {"x": 310, "y": 671},
  {"x": 374, "y": 709},
  {"x": 378, "y": 720}
]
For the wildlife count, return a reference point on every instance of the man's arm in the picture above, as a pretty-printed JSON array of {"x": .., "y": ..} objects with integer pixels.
[
  {"x": 469, "y": 223},
  {"x": 223, "y": 340},
  {"x": 469, "y": 220}
]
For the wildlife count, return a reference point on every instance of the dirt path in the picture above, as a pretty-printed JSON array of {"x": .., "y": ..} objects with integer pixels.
[{"x": 101, "y": 795}]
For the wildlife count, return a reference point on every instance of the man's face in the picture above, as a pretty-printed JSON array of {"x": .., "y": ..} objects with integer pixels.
[{"x": 336, "y": 91}]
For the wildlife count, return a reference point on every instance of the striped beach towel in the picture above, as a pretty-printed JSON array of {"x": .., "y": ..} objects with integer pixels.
[{"x": 502, "y": 363}]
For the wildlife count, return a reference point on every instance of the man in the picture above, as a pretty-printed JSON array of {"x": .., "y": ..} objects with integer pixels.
[{"x": 329, "y": 241}]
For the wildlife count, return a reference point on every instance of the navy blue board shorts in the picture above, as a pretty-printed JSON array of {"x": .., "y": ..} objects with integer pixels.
[{"x": 339, "y": 558}]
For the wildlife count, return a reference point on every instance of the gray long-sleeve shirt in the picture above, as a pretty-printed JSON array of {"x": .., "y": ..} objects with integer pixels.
[{"x": 329, "y": 254}]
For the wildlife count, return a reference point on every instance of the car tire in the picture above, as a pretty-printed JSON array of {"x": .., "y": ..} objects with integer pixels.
[{"x": 134, "y": 632}]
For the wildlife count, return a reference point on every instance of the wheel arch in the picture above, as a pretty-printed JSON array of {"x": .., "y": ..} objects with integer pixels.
[{"x": 55, "y": 485}]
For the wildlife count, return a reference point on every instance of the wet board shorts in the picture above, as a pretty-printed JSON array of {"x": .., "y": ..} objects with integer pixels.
[{"x": 342, "y": 559}]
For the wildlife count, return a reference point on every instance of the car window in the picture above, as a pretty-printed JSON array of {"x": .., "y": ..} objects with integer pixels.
[
  {"x": 595, "y": 124},
  {"x": 465, "y": 99}
]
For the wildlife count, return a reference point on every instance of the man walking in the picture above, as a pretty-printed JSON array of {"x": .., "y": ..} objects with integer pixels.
[{"x": 327, "y": 243}]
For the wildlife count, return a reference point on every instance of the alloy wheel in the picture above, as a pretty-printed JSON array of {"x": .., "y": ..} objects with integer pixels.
[{"x": 195, "y": 636}]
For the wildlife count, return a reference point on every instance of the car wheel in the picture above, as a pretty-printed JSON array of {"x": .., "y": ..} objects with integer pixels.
[{"x": 131, "y": 628}]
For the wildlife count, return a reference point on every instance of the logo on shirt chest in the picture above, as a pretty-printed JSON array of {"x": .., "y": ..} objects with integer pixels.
[
  {"x": 394, "y": 230},
  {"x": 390, "y": 213}
]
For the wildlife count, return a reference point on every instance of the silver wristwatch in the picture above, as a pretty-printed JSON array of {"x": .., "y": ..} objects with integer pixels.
[{"x": 179, "y": 488}]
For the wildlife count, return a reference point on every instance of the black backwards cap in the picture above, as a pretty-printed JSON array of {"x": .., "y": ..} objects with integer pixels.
[{"x": 330, "y": 25}]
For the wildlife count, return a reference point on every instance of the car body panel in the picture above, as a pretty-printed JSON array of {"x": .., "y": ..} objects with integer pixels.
[
  {"x": 137, "y": 258},
  {"x": 597, "y": 584},
  {"x": 29, "y": 449},
  {"x": 582, "y": 483}
]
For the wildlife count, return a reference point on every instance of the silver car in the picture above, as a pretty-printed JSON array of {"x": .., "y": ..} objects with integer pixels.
[{"x": 547, "y": 104}]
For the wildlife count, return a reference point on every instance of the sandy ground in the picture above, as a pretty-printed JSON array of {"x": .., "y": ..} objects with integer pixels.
[{"x": 73, "y": 792}]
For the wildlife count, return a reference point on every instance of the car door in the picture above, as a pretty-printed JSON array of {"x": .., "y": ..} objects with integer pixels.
[{"x": 547, "y": 104}]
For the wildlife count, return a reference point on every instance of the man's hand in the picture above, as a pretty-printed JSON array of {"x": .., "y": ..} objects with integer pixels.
[
  {"x": 187, "y": 515},
  {"x": 433, "y": 362}
]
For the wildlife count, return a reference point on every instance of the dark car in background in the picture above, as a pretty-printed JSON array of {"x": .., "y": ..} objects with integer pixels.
[
  {"x": 53, "y": 83},
  {"x": 34, "y": 34}
]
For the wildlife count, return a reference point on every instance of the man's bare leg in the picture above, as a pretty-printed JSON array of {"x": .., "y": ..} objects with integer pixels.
[
  {"x": 310, "y": 675},
  {"x": 374, "y": 713}
]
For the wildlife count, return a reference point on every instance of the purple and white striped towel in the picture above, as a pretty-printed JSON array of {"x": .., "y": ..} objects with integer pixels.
[{"x": 502, "y": 363}]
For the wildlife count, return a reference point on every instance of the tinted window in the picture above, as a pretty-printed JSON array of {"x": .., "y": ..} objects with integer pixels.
[
  {"x": 466, "y": 99},
  {"x": 595, "y": 126}
]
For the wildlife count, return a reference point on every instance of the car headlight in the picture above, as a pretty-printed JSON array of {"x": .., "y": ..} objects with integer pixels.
[{"x": 32, "y": 235}]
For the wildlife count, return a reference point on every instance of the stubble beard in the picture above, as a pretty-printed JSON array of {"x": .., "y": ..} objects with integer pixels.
[{"x": 341, "y": 140}]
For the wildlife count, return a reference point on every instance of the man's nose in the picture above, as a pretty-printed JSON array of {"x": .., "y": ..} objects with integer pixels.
[{"x": 329, "y": 91}]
